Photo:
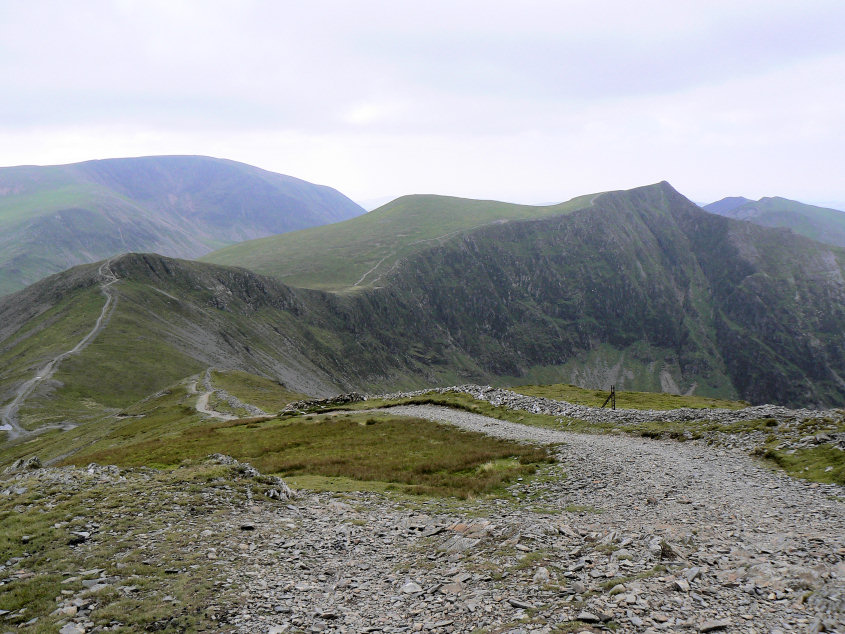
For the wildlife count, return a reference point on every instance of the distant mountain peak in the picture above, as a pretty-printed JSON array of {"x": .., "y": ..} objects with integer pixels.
[
  {"x": 727, "y": 204},
  {"x": 640, "y": 289},
  {"x": 817, "y": 223},
  {"x": 55, "y": 217}
]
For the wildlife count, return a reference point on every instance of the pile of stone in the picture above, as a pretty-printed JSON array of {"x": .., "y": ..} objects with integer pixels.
[
  {"x": 22, "y": 465},
  {"x": 278, "y": 488},
  {"x": 316, "y": 404}
]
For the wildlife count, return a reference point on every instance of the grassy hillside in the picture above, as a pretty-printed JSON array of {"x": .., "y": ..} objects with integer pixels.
[
  {"x": 701, "y": 302},
  {"x": 54, "y": 217},
  {"x": 642, "y": 290},
  {"x": 359, "y": 252},
  {"x": 375, "y": 451},
  {"x": 817, "y": 223}
]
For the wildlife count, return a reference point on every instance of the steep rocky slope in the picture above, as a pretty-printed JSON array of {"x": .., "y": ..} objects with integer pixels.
[{"x": 647, "y": 291}]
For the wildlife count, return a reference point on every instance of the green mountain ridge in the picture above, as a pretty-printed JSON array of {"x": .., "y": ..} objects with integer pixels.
[
  {"x": 359, "y": 252},
  {"x": 59, "y": 216},
  {"x": 723, "y": 305},
  {"x": 817, "y": 223},
  {"x": 639, "y": 288}
]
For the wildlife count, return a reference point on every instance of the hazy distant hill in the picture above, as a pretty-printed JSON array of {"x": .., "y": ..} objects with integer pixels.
[
  {"x": 638, "y": 288},
  {"x": 55, "y": 217},
  {"x": 726, "y": 205},
  {"x": 818, "y": 223}
]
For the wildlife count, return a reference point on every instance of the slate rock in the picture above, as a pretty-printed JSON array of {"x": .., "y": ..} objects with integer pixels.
[
  {"x": 714, "y": 625},
  {"x": 587, "y": 617},
  {"x": 519, "y": 603}
]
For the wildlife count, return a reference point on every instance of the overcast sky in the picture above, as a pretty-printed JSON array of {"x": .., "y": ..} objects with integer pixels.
[{"x": 529, "y": 101}]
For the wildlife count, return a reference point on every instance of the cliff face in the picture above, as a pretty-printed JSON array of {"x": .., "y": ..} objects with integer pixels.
[
  {"x": 641, "y": 289},
  {"x": 780, "y": 308},
  {"x": 704, "y": 302}
]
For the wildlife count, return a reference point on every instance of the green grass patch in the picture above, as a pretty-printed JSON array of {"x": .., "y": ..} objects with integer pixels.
[
  {"x": 574, "y": 626},
  {"x": 37, "y": 203},
  {"x": 158, "y": 416},
  {"x": 338, "y": 484},
  {"x": 659, "y": 569},
  {"x": 44, "y": 560},
  {"x": 411, "y": 455},
  {"x": 48, "y": 335},
  {"x": 823, "y": 463},
  {"x": 260, "y": 391},
  {"x": 531, "y": 560},
  {"x": 625, "y": 400},
  {"x": 357, "y": 252},
  {"x": 691, "y": 430},
  {"x": 128, "y": 341}
]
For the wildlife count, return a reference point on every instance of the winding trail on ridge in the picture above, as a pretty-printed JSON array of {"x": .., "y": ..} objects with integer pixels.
[
  {"x": 209, "y": 389},
  {"x": 202, "y": 408},
  {"x": 9, "y": 414},
  {"x": 202, "y": 401}
]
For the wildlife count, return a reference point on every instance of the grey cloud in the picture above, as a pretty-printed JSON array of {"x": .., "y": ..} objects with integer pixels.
[{"x": 605, "y": 91}]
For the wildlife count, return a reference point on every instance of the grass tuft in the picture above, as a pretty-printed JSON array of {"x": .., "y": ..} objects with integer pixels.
[
  {"x": 823, "y": 463},
  {"x": 414, "y": 455}
]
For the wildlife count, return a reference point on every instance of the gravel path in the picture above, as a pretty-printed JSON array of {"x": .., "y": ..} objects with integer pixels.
[
  {"x": 233, "y": 402},
  {"x": 202, "y": 408},
  {"x": 648, "y": 535},
  {"x": 621, "y": 473}
]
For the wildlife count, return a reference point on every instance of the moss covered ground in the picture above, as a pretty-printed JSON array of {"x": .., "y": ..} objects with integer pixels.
[
  {"x": 625, "y": 399},
  {"x": 820, "y": 464},
  {"x": 260, "y": 391},
  {"x": 119, "y": 547}
]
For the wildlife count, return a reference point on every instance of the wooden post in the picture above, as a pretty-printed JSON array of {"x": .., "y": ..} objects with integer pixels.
[{"x": 611, "y": 398}]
